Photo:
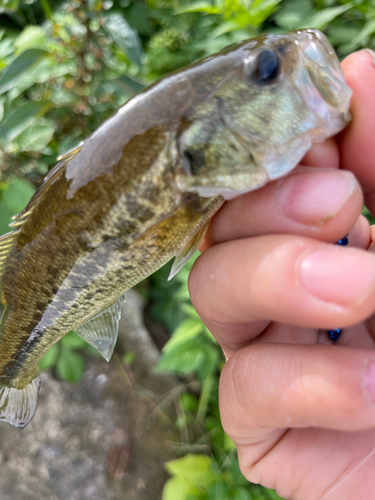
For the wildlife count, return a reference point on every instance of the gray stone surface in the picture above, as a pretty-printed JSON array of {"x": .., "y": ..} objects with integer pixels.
[{"x": 102, "y": 439}]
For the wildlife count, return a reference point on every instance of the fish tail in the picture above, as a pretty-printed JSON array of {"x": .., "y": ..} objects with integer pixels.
[{"x": 17, "y": 406}]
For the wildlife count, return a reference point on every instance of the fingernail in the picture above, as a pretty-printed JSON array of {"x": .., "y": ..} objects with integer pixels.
[
  {"x": 315, "y": 197},
  {"x": 372, "y": 54},
  {"x": 341, "y": 275},
  {"x": 370, "y": 380}
]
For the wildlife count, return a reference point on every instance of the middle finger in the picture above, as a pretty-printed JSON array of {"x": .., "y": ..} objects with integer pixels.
[{"x": 239, "y": 286}]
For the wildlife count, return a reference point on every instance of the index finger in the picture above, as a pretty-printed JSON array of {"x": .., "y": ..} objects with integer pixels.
[{"x": 356, "y": 142}]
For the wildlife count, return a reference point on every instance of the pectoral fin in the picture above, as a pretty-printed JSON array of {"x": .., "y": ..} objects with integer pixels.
[
  {"x": 188, "y": 251},
  {"x": 101, "y": 331},
  {"x": 17, "y": 406}
]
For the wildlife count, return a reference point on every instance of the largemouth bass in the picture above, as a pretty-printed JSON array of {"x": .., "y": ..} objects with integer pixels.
[{"x": 144, "y": 186}]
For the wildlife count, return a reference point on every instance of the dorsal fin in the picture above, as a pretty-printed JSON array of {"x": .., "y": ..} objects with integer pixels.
[
  {"x": 57, "y": 170},
  {"x": 71, "y": 153},
  {"x": 6, "y": 244}
]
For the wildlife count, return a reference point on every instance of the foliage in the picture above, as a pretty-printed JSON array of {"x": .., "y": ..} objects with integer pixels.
[
  {"x": 14, "y": 197},
  {"x": 198, "y": 477},
  {"x": 368, "y": 216},
  {"x": 192, "y": 351},
  {"x": 65, "y": 359},
  {"x": 66, "y": 66}
]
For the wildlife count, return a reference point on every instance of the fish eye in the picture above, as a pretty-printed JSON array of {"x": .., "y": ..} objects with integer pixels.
[{"x": 265, "y": 68}]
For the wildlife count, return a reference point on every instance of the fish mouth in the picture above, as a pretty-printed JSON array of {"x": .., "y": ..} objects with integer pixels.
[{"x": 320, "y": 80}]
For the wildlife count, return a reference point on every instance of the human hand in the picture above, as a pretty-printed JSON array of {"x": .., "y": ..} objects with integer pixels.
[{"x": 300, "y": 410}]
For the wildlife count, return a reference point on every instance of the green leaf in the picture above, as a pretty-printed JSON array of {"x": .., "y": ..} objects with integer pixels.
[
  {"x": 190, "y": 311},
  {"x": 339, "y": 35},
  {"x": 40, "y": 73},
  {"x": 188, "y": 329},
  {"x": 18, "y": 69},
  {"x": 6, "y": 48},
  {"x": 184, "y": 358},
  {"x": 125, "y": 37},
  {"x": 18, "y": 194},
  {"x": 204, "y": 400},
  {"x": 31, "y": 37},
  {"x": 210, "y": 362},
  {"x": 293, "y": 14},
  {"x": 367, "y": 30},
  {"x": 70, "y": 365},
  {"x": 260, "y": 10},
  {"x": 225, "y": 27},
  {"x": 320, "y": 19},
  {"x": 138, "y": 17},
  {"x": 9, "y": 5},
  {"x": 198, "y": 7},
  {"x": 63, "y": 98},
  {"x": 15, "y": 122},
  {"x": 35, "y": 138},
  {"x": 50, "y": 358},
  {"x": 197, "y": 469},
  {"x": 189, "y": 402},
  {"x": 47, "y": 9},
  {"x": 178, "y": 488}
]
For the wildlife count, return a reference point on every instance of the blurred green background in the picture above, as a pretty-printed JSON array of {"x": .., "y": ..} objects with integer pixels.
[{"x": 67, "y": 66}]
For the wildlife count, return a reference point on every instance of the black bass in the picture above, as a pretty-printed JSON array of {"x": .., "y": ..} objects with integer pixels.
[{"x": 144, "y": 186}]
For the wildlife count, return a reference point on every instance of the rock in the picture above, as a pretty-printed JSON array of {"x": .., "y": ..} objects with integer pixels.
[{"x": 135, "y": 338}]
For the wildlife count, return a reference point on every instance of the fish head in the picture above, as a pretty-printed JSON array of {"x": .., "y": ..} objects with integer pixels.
[{"x": 276, "y": 95}]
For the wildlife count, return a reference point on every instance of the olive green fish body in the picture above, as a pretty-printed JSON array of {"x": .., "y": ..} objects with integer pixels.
[
  {"x": 80, "y": 253},
  {"x": 143, "y": 187}
]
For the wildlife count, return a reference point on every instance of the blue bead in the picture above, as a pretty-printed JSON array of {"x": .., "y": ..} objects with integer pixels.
[
  {"x": 334, "y": 334},
  {"x": 343, "y": 242}
]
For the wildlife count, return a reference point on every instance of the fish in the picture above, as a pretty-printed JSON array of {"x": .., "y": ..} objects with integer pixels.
[{"x": 143, "y": 188}]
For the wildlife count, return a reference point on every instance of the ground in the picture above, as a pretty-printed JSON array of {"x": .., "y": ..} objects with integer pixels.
[{"x": 104, "y": 438}]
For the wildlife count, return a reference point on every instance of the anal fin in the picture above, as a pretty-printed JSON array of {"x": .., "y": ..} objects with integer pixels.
[
  {"x": 188, "y": 251},
  {"x": 17, "y": 406},
  {"x": 101, "y": 331}
]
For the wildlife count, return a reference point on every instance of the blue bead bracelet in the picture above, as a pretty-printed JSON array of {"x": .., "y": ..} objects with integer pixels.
[{"x": 336, "y": 332}]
